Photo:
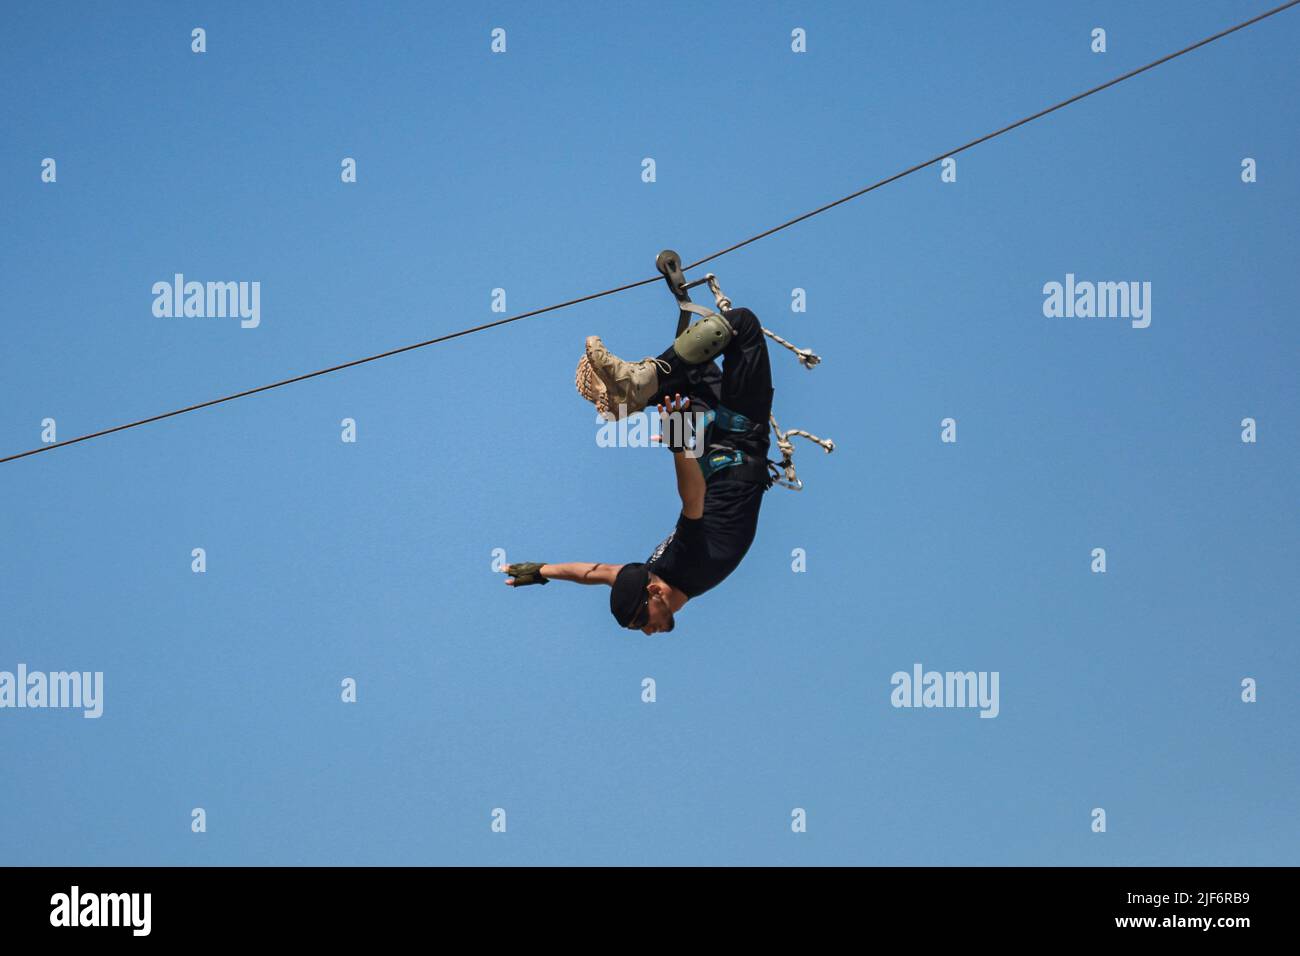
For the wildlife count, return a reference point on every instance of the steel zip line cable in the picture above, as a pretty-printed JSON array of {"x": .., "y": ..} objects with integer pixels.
[{"x": 633, "y": 285}]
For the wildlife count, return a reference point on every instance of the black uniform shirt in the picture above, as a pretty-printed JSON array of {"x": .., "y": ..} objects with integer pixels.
[{"x": 701, "y": 552}]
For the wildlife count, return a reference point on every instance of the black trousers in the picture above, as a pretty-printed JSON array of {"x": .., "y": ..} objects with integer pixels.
[{"x": 743, "y": 385}]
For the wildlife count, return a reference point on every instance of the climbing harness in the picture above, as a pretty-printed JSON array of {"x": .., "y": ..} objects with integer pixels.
[
  {"x": 782, "y": 473},
  {"x": 720, "y": 455}
]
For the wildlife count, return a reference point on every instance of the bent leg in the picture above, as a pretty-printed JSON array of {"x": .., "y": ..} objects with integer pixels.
[
  {"x": 746, "y": 373},
  {"x": 746, "y": 379},
  {"x": 744, "y": 385}
]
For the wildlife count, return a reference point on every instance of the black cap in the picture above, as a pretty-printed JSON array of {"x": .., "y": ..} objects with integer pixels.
[{"x": 628, "y": 595}]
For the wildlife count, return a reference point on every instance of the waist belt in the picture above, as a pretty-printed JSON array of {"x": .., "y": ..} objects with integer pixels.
[
  {"x": 726, "y": 420},
  {"x": 736, "y": 464},
  {"x": 722, "y": 457}
]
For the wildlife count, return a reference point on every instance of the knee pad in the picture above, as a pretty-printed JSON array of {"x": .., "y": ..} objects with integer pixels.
[{"x": 705, "y": 340}]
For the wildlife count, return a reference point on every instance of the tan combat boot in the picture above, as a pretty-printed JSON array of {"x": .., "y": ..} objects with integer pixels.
[{"x": 617, "y": 388}]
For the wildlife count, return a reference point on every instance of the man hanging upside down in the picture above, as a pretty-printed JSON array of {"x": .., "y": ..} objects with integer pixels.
[{"x": 721, "y": 488}]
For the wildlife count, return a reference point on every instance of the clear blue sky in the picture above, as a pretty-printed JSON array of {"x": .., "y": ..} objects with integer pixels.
[{"x": 523, "y": 171}]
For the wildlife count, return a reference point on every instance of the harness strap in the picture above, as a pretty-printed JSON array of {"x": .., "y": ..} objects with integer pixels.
[
  {"x": 737, "y": 464},
  {"x": 726, "y": 420},
  {"x": 723, "y": 457}
]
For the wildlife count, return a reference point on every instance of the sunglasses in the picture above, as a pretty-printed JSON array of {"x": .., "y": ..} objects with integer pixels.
[{"x": 642, "y": 616}]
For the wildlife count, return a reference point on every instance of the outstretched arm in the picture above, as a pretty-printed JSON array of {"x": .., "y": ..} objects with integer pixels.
[{"x": 579, "y": 572}]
